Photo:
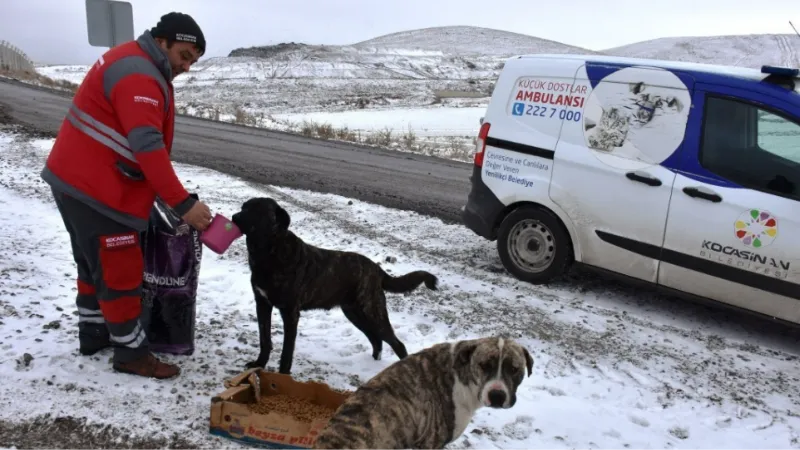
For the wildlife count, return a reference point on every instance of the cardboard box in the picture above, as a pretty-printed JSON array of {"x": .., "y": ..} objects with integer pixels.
[{"x": 231, "y": 418}]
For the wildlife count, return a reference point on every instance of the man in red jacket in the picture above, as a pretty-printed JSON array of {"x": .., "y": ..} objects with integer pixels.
[{"x": 110, "y": 160}]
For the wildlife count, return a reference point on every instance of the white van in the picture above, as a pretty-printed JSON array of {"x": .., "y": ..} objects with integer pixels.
[{"x": 682, "y": 175}]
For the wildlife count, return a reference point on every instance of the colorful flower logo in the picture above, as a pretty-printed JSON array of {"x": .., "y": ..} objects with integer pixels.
[{"x": 756, "y": 228}]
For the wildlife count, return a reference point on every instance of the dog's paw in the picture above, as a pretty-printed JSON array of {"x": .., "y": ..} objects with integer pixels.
[
  {"x": 256, "y": 363},
  {"x": 377, "y": 356}
]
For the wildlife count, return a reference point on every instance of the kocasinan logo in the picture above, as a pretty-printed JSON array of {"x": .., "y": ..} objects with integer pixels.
[{"x": 756, "y": 228}]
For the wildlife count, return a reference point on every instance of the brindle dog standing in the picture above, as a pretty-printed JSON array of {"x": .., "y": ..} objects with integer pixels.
[
  {"x": 428, "y": 399},
  {"x": 293, "y": 276}
]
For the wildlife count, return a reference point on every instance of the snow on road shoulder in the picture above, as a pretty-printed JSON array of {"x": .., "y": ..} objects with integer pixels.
[
  {"x": 612, "y": 368},
  {"x": 424, "y": 122}
]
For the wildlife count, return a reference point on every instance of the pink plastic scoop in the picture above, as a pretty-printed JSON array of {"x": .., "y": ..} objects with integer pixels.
[{"x": 220, "y": 234}]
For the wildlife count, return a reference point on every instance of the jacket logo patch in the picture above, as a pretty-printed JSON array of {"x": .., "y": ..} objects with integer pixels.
[
  {"x": 143, "y": 99},
  {"x": 119, "y": 240}
]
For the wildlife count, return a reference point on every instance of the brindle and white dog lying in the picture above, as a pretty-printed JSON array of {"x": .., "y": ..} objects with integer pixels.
[{"x": 427, "y": 399}]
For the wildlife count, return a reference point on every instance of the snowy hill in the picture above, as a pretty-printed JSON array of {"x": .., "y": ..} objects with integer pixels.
[
  {"x": 337, "y": 78},
  {"x": 400, "y": 81},
  {"x": 466, "y": 40},
  {"x": 753, "y": 50},
  {"x": 430, "y": 66},
  {"x": 401, "y": 69}
]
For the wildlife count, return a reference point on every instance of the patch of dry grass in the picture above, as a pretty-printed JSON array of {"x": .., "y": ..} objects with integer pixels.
[{"x": 37, "y": 78}]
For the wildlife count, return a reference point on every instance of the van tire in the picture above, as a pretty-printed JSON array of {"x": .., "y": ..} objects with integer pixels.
[{"x": 533, "y": 236}]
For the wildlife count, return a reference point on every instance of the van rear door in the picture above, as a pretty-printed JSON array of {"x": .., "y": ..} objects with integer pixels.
[{"x": 523, "y": 131}]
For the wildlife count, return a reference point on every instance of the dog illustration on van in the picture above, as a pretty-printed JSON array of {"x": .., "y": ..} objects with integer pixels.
[{"x": 636, "y": 110}]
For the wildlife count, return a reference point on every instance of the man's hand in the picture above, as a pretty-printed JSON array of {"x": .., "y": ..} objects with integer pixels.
[{"x": 199, "y": 216}]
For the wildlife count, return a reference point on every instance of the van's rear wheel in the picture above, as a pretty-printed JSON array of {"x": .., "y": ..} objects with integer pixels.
[{"x": 533, "y": 245}]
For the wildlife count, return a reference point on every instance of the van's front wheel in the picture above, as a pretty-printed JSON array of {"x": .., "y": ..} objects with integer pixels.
[{"x": 533, "y": 245}]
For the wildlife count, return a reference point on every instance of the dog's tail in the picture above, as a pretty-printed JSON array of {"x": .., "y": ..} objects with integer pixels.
[{"x": 409, "y": 281}]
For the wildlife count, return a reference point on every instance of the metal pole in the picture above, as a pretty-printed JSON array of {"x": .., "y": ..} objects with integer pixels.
[{"x": 111, "y": 24}]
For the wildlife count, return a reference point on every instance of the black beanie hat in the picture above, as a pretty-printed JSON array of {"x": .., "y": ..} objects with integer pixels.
[{"x": 179, "y": 27}]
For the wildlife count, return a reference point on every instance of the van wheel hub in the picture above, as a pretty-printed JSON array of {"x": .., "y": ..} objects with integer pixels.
[{"x": 531, "y": 245}]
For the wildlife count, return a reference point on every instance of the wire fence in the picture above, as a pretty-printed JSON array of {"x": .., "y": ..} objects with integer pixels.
[{"x": 14, "y": 59}]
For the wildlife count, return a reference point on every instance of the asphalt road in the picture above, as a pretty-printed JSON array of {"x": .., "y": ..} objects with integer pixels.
[{"x": 427, "y": 185}]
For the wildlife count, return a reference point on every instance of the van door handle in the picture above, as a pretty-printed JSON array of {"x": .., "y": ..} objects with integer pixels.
[
  {"x": 704, "y": 194},
  {"x": 642, "y": 177}
]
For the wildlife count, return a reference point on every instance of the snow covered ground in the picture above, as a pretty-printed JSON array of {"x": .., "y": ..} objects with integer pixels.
[
  {"x": 614, "y": 366},
  {"x": 422, "y": 121},
  {"x": 73, "y": 73}
]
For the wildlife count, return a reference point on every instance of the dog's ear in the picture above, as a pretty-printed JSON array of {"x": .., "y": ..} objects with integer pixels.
[
  {"x": 528, "y": 360},
  {"x": 464, "y": 353},
  {"x": 282, "y": 218}
]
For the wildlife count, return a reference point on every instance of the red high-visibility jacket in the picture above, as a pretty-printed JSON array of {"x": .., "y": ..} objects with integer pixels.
[{"x": 113, "y": 149}]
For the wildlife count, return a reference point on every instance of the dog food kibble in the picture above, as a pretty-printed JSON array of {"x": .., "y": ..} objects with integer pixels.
[{"x": 301, "y": 409}]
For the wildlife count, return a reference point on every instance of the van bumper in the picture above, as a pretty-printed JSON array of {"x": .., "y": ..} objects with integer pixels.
[{"x": 483, "y": 208}]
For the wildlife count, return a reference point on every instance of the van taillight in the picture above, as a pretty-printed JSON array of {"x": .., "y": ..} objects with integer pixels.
[{"x": 480, "y": 144}]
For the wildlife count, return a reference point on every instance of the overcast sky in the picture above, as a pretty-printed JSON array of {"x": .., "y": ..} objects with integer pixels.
[{"x": 54, "y": 31}]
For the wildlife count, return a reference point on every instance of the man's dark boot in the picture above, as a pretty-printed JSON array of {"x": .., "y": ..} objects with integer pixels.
[
  {"x": 148, "y": 366},
  {"x": 92, "y": 342},
  {"x": 91, "y": 349}
]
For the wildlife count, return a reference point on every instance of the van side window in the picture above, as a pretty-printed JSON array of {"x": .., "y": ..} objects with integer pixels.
[{"x": 751, "y": 146}]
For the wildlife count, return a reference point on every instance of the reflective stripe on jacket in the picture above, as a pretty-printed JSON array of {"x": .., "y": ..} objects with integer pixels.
[{"x": 113, "y": 148}]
